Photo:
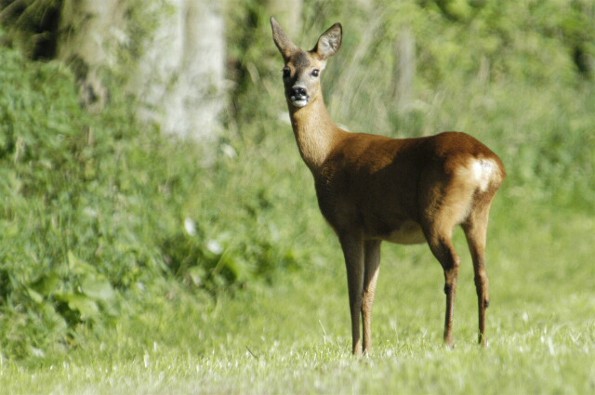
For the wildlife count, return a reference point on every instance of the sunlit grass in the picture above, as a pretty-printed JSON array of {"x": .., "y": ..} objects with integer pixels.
[{"x": 293, "y": 336}]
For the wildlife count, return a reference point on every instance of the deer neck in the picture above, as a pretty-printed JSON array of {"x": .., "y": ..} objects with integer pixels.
[{"x": 314, "y": 131}]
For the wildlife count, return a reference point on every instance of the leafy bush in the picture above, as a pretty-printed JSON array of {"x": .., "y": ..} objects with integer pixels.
[{"x": 93, "y": 213}]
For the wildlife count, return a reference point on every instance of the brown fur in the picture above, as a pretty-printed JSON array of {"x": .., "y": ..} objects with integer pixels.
[{"x": 372, "y": 188}]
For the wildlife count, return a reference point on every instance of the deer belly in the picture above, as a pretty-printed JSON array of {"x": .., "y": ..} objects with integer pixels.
[{"x": 408, "y": 232}]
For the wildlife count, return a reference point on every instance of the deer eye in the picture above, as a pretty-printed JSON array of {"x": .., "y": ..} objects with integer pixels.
[
  {"x": 286, "y": 72},
  {"x": 315, "y": 73}
]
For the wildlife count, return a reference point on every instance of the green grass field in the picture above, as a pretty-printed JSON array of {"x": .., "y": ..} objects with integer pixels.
[{"x": 293, "y": 336}]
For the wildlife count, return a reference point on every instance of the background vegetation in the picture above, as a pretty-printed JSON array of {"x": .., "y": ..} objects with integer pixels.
[{"x": 125, "y": 261}]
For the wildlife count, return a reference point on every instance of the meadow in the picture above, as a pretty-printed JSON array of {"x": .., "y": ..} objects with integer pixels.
[
  {"x": 289, "y": 332},
  {"x": 129, "y": 265},
  {"x": 293, "y": 336}
]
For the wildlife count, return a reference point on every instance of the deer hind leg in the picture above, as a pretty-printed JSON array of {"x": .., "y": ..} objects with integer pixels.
[
  {"x": 353, "y": 251},
  {"x": 371, "y": 270},
  {"x": 475, "y": 229},
  {"x": 447, "y": 204},
  {"x": 443, "y": 250},
  {"x": 438, "y": 231}
]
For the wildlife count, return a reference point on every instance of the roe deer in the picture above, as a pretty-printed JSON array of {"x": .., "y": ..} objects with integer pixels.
[{"x": 372, "y": 188}]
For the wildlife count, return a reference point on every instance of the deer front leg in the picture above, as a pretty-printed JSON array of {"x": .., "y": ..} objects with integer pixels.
[
  {"x": 353, "y": 251},
  {"x": 371, "y": 270}
]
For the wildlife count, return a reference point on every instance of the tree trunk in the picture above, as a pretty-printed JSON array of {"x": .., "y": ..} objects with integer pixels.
[
  {"x": 405, "y": 70},
  {"x": 181, "y": 77},
  {"x": 90, "y": 34}
]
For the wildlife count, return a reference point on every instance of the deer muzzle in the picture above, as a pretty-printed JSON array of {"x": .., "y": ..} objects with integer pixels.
[{"x": 298, "y": 96}]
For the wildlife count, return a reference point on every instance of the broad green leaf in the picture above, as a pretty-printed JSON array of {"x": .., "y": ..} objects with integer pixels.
[
  {"x": 83, "y": 304},
  {"x": 78, "y": 266},
  {"x": 47, "y": 285},
  {"x": 37, "y": 298},
  {"x": 97, "y": 287}
]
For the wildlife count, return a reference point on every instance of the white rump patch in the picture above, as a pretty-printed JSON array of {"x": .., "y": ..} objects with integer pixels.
[{"x": 483, "y": 171}]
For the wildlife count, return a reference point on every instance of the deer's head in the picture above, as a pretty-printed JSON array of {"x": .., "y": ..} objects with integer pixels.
[{"x": 303, "y": 69}]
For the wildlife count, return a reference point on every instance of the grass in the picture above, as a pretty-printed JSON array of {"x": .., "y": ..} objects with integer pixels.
[{"x": 293, "y": 337}]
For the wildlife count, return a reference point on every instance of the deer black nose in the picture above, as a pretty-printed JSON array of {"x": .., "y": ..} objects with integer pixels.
[{"x": 298, "y": 91}]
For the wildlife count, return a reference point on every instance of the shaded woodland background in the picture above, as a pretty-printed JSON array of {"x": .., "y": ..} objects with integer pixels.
[{"x": 145, "y": 143}]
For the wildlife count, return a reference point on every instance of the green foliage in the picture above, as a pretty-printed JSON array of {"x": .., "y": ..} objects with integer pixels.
[
  {"x": 64, "y": 204},
  {"x": 93, "y": 213}
]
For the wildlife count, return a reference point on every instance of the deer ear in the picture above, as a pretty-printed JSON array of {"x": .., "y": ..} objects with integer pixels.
[
  {"x": 329, "y": 42},
  {"x": 286, "y": 47}
]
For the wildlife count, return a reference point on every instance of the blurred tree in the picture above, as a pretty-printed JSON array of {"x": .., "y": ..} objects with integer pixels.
[
  {"x": 170, "y": 54},
  {"x": 89, "y": 33},
  {"x": 404, "y": 69},
  {"x": 181, "y": 75}
]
